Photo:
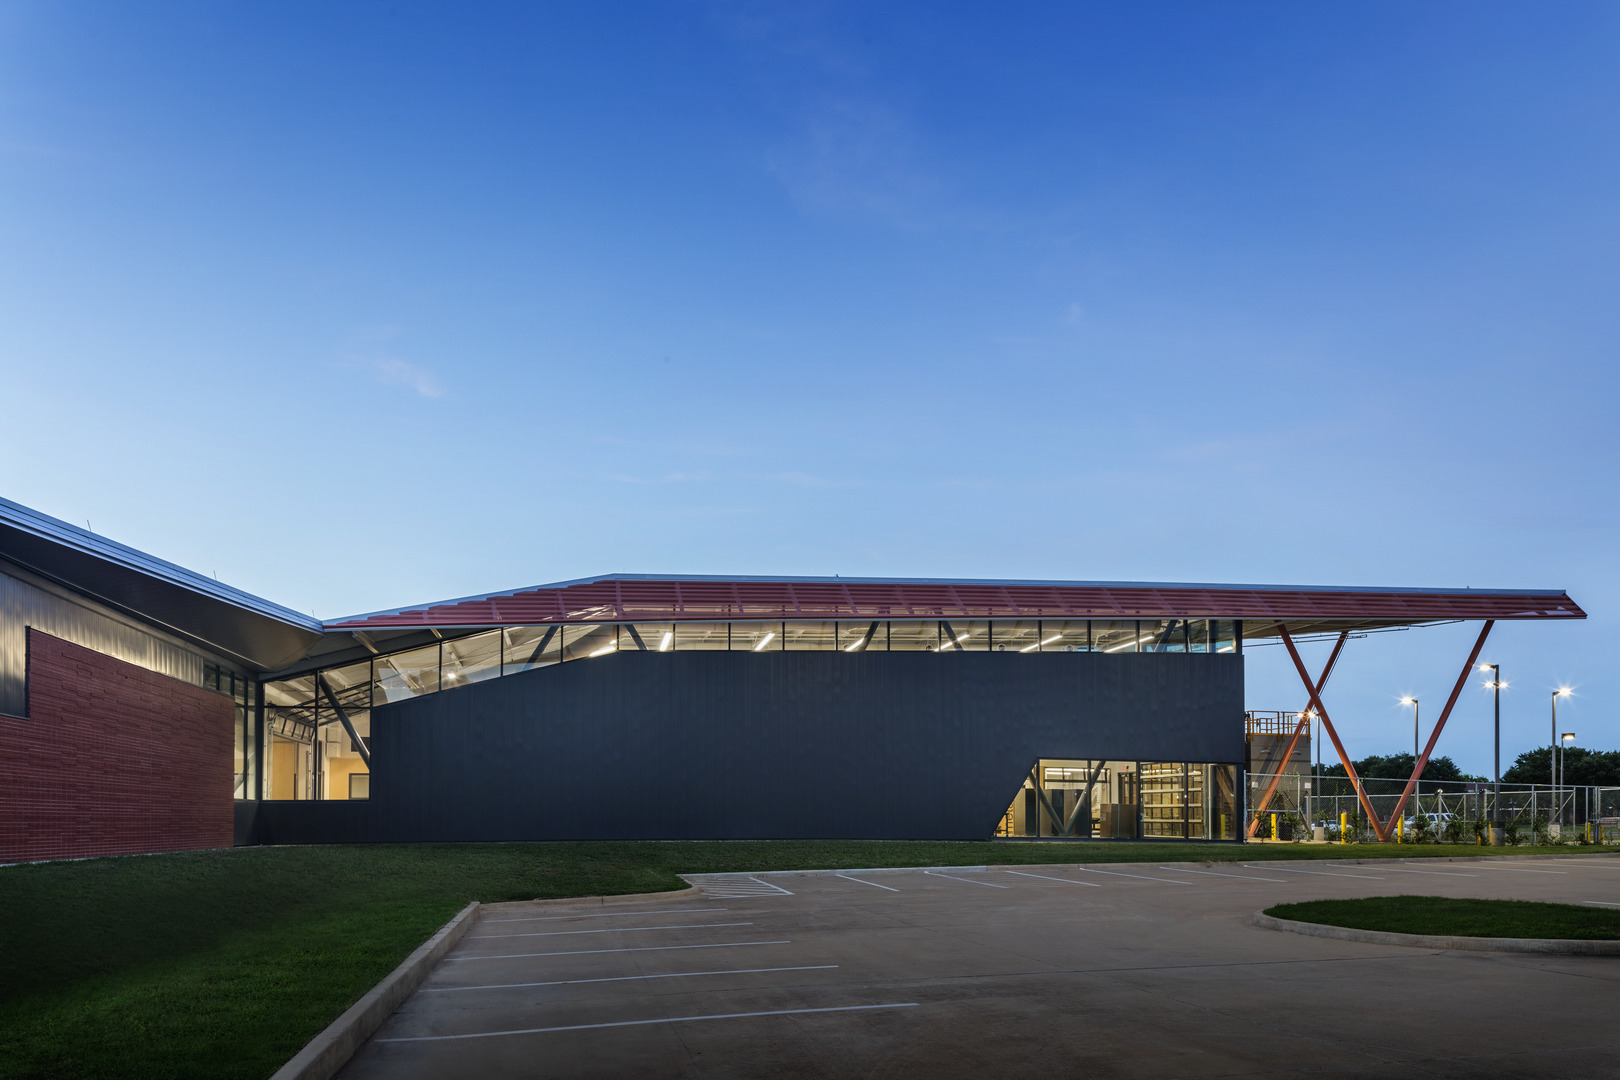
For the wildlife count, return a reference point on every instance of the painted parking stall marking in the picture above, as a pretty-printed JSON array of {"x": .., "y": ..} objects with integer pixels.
[
  {"x": 608, "y": 915},
  {"x": 640, "y": 1023},
  {"x": 1120, "y": 873},
  {"x": 1399, "y": 870},
  {"x": 625, "y": 978},
  {"x": 874, "y": 884},
  {"x": 610, "y": 930},
  {"x": 738, "y": 886},
  {"x": 1213, "y": 873},
  {"x": 597, "y": 952},
  {"x": 970, "y": 881},
  {"x": 1048, "y": 877},
  {"x": 1317, "y": 873}
]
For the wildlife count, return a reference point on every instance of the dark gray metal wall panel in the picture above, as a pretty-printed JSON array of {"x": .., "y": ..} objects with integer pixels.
[
  {"x": 729, "y": 745},
  {"x": 337, "y": 822},
  {"x": 27, "y": 601},
  {"x": 247, "y": 821}
]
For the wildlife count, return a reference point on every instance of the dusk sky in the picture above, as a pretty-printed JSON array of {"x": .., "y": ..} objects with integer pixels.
[{"x": 363, "y": 305}]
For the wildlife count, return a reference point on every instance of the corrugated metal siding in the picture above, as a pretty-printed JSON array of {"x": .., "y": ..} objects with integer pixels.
[
  {"x": 24, "y": 604},
  {"x": 718, "y": 745}
]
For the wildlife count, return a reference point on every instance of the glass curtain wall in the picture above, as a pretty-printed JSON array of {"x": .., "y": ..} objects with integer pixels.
[
  {"x": 1124, "y": 800},
  {"x": 245, "y": 743}
]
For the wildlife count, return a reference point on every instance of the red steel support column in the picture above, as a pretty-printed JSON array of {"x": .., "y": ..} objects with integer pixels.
[
  {"x": 1316, "y": 701},
  {"x": 1299, "y": 729},
  {"x": 1434, "y": 737}
]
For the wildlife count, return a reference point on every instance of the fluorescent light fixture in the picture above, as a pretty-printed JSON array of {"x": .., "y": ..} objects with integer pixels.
[
  {"x": 764, "y": 641},
  {"x": 611, "y": 646},
  {"x": 959, "y": 639},
  {"x": 1128, "y": 644},
  {"x": 1228, "y": 648},
  {"x": 669, "y": 639},
  {"x": 852, "y": 646},
  {"x": 1039, "y": 644}
]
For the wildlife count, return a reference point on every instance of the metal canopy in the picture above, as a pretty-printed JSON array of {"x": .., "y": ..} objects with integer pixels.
[
  {"x": 229, "y": 621},
  {"x": 654, "y": 598}
]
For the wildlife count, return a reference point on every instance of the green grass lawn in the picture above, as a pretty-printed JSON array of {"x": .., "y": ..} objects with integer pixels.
[
  {"x": 1459, "y": 918},
  {"x": 224, "y": 963}
]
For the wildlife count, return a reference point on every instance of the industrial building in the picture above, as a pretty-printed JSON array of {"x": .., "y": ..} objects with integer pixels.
[{"x": 145, "y": 707}]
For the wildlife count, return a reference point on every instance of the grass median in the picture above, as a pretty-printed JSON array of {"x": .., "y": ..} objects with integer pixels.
[
  {"x": 1445, "y": 916},
  {"x": 224, "y": 963}
]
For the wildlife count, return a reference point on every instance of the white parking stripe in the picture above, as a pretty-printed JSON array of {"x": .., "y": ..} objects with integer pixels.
[
  {"x": 660, "y": 1020},
  {"x": 622, "y": 978},
  {"x": 740, "y": 886},
  {"x": 1066, "y": 881},
  {"x": 611, "y": 915},
  {"x": 1318, "y": 873},
  {"x": 611, "y": 930},
  {"x": 1211, "y": 873},
  {"x": 593, "y": 952},
  {"x": 1605, "y": 903},
  {"x": 1144, "y": 877},
  {"x": 874, "y": 884},
  {"x": 1517, "y": 869},
  {"x": 969, "y": 880},
  {"x": 1398, "y": 870}
]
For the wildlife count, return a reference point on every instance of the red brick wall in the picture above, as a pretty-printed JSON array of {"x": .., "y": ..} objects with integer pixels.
[{"x": 112, "y": 760}]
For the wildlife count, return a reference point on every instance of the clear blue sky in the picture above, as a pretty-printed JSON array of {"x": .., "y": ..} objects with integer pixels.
[{"x": 366, "y": 304}]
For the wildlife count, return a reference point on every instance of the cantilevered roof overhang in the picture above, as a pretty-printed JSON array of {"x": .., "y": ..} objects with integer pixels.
[
  {"x": 228, "y": 621},
  {"x": 672, "y": 598}
]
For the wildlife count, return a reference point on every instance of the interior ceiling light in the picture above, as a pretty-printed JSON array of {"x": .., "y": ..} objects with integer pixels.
[
  {"x": 1128, "y": 644},
  {"x": 959, "y": 638},
  {"x": 1039, "y": 644},
  {"x": 669, "y": 638},
  {"x": 764, "y": 641},
  {"x": 611, "y": 646}
]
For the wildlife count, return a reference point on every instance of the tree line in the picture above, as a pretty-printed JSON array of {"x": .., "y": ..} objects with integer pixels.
[{"x": 1582, "y": 768}]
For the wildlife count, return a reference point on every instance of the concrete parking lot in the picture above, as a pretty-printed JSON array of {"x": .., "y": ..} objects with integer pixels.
[{"x": 1133, "y": 970}]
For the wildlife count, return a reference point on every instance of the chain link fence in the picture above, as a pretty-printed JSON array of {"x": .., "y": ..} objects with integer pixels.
[{"x": 1437, "y": 812}]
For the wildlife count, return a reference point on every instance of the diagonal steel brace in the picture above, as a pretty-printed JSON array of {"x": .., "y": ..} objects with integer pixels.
[{"x": 1299, "y": 729}]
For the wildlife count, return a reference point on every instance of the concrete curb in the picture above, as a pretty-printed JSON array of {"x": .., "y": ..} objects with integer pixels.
[
  {"x": 326, "y": 1053},
  {"x": 1550, "y": 946},
  {"x": 575, "y": 901},
  {"x": 822, "y": 873}
]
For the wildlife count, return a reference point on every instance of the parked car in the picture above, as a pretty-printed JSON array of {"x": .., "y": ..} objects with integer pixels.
[{"x": 1435, "y": 823}]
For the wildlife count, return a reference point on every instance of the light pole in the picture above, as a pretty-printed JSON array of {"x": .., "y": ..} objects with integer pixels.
[
  {"x": 1562, "y": 691},
  {"x": 1412, "y": 701},
  {"x": 1496, "y": 789},
  {"x": 1568, "y": 737}
]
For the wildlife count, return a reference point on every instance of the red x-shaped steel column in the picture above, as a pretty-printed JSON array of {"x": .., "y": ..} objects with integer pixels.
[
  {"x": 1300, "y": 728},
  {"x": 1456, "y": 691},
  {"x": 1327, "y": 725}
]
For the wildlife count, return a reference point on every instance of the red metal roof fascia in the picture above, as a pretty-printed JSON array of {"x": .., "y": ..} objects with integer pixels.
[{"x": 671, "y": 600}]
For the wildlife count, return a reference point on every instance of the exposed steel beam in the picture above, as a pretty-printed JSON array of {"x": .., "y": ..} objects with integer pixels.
[
  {"x": 1299, "y": 729},
  {"x": 1327, "y": 723},
  {"x": 1434, "y": 736}
]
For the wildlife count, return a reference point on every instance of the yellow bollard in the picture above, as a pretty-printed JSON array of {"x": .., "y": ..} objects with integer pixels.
[
  {"x": 1274, "y": 834},
  {"x": 1344, "y": 827},
  {"x": 1400, "y": 832}
]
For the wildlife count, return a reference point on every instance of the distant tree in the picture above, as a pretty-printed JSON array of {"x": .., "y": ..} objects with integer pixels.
[
  {"x": 1582, "y": 767},
  {"x": 1399, "y": 767}
]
